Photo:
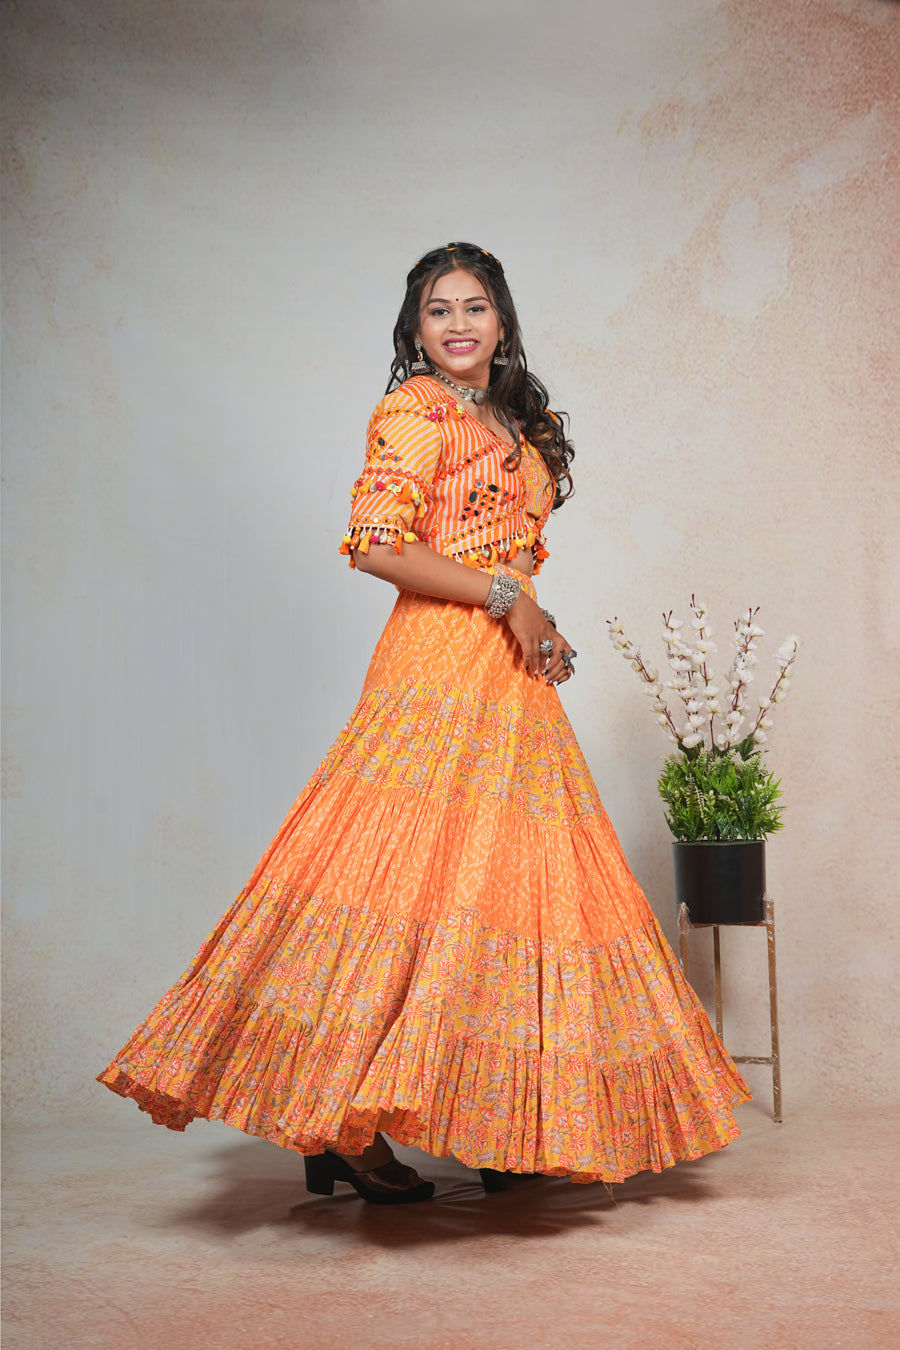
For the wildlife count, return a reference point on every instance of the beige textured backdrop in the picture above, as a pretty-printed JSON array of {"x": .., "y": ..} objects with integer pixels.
[{"x": 210, "y": 210}]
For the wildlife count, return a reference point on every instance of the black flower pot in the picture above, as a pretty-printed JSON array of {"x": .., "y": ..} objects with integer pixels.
[{"x": 721, "y": 883}]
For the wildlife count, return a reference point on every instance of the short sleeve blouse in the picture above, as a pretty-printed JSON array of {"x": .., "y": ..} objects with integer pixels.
[{"x": 435, "y": 474}]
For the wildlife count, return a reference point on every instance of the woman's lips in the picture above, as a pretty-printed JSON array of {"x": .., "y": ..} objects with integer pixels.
[{"x": 460, "y": 346}]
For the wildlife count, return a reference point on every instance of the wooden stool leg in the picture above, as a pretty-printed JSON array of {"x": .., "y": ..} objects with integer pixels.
[
  {"x": 717, "y": 957},
  {"x": 684, "y": 927},
  {"x": 773, "y": 1007}
]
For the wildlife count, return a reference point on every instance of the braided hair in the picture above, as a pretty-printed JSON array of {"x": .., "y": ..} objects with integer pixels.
[{"x": 516, "y": 396}]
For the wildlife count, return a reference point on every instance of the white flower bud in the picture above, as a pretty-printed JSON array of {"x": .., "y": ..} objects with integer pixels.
[
  {"x": 692, "y": 705},
  {"x": 760, "y": 737},
  {"x": 663, "y": 720},
  {"x": 765, "y": 702},
  {"x": 713, "y": 707},
  {"x": 690, "y": 741},
  {"x": 721, "y": 741},
  {"x": 765, "y": 723}
]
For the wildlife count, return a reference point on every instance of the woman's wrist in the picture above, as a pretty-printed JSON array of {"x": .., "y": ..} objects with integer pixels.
[{"x": 505, "y": 591}]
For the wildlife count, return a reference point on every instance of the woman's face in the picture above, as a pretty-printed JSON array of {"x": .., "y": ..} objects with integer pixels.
[{"x": 459, "y": 328}]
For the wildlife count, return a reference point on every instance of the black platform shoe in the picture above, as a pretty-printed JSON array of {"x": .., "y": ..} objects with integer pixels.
[
  {"x": 499, "y": 1181},
  {"x": 393, "y": 1183}
]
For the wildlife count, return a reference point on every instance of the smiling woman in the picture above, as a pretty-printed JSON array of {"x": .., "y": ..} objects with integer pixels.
[{"x": 444, "y": 942}]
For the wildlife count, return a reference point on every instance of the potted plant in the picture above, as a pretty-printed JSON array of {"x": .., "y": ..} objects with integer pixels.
[{"x": 721, "y": 798}]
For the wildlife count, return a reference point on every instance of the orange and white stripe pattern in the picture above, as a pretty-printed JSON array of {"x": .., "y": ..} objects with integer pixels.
[{"x": 435, "y": 474}]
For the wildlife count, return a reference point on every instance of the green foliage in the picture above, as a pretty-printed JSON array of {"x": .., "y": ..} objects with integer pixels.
[{"x": 720, "y": 794}]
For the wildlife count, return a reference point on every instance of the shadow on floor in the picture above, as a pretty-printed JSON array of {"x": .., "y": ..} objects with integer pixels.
[{"x": 256, "y": 1186}]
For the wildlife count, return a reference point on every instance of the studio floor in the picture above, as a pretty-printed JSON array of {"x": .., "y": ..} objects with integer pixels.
[{"x": 125, "y": 1236}]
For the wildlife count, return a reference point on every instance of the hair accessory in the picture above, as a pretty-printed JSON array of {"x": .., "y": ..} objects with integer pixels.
[
  {"x": 420, "y": 365},
  {"x": 463, "y": 390},
  {"x": 503, "y": 595}
]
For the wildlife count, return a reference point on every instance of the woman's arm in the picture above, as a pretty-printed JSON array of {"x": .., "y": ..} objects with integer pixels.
[{"x": 420, "y": 568}]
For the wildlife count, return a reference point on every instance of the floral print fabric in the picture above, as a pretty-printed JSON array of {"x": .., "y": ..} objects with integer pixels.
[{"x": 444, "y": 941}]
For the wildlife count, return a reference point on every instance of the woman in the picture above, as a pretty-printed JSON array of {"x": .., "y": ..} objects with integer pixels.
[{"x": 444, "y": 943}]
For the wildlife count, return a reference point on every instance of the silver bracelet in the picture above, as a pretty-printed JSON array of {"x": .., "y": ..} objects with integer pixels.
[
  {"x": 502, "y": 596},
  {"x": 551, "y": 618}
]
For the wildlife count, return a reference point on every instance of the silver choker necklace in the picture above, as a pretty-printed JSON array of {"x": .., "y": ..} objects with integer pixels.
[{"x": 465, "y": 392}]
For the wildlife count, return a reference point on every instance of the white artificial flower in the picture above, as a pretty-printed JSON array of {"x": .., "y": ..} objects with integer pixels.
[
  {"x": 713, "y": 707},
  {"x": 734, "y": 717},
  {"x": 721, "y": 741},
  {"x": 637, "y": 665},
  {"x": 674, "y": 624},
  {"x": 750, "y": 659},
  {"x": 653, "y": 673},
  {"x": 765, "y": 723},
  {"x": 653, "y": 689},
  {"x": 765, "y": 702},
  {"x": 690, "y": 741},
  {"x": 696, "y": 720},
  {"x": 614, "y": 626},
  {"x": 710, "y": 690},
  {"x": 706, "y": 646},
  {"x": 659, "y": 707},
  {"x": 663, "y": 720},
  {"x": 779, "y": 696},
  {"x": 692, "y": 705},
  {"x": 755, "y": 631},
  {"x": 760, "y": 737}
]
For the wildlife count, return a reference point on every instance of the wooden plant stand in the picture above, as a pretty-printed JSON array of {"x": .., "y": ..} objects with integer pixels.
[{"x": 768, "y": 923}]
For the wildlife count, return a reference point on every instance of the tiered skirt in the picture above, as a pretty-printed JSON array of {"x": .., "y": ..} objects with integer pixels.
[{"x": 444, "y": 942}]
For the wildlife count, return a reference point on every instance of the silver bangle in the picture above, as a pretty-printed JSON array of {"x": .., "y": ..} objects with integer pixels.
[
  {"x": 502, "y": 596},
  {"x": 551, "y": 618}
]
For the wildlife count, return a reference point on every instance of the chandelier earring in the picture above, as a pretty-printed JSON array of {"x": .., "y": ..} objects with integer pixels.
[
  {"x": 420, "y": 366},
  {"x": 500, "y": 357}
]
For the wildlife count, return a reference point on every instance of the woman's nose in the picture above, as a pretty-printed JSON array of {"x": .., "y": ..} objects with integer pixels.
[{"x": 459, "y": 322}]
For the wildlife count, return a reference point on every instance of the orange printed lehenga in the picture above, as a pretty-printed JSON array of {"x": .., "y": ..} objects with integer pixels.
[{"x": 444, "y": 940}]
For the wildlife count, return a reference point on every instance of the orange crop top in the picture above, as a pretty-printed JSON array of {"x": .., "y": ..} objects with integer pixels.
[{"x": 434, "y": 473}]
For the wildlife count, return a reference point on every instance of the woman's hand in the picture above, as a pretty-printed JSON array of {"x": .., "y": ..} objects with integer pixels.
[{"x": 530, "y": 629}]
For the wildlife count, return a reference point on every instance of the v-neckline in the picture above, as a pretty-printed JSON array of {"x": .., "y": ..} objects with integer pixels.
[{"x": 507, "y": 445}]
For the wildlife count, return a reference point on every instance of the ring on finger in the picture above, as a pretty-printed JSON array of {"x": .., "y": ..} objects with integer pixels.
[{"x": 546, "y": 646}]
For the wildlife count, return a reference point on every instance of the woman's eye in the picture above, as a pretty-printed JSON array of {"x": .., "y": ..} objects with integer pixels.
[{"x": 477, "y": 309}]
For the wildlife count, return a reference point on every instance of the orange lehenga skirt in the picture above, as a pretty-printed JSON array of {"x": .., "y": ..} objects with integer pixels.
[{"x": 444, "y": 942}]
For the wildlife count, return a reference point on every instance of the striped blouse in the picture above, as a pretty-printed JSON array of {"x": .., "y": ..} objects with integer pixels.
[{"x": 434, "y": 473}]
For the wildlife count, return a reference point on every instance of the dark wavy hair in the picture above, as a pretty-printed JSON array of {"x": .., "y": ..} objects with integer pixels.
[{"x": 516, "y": 396}]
